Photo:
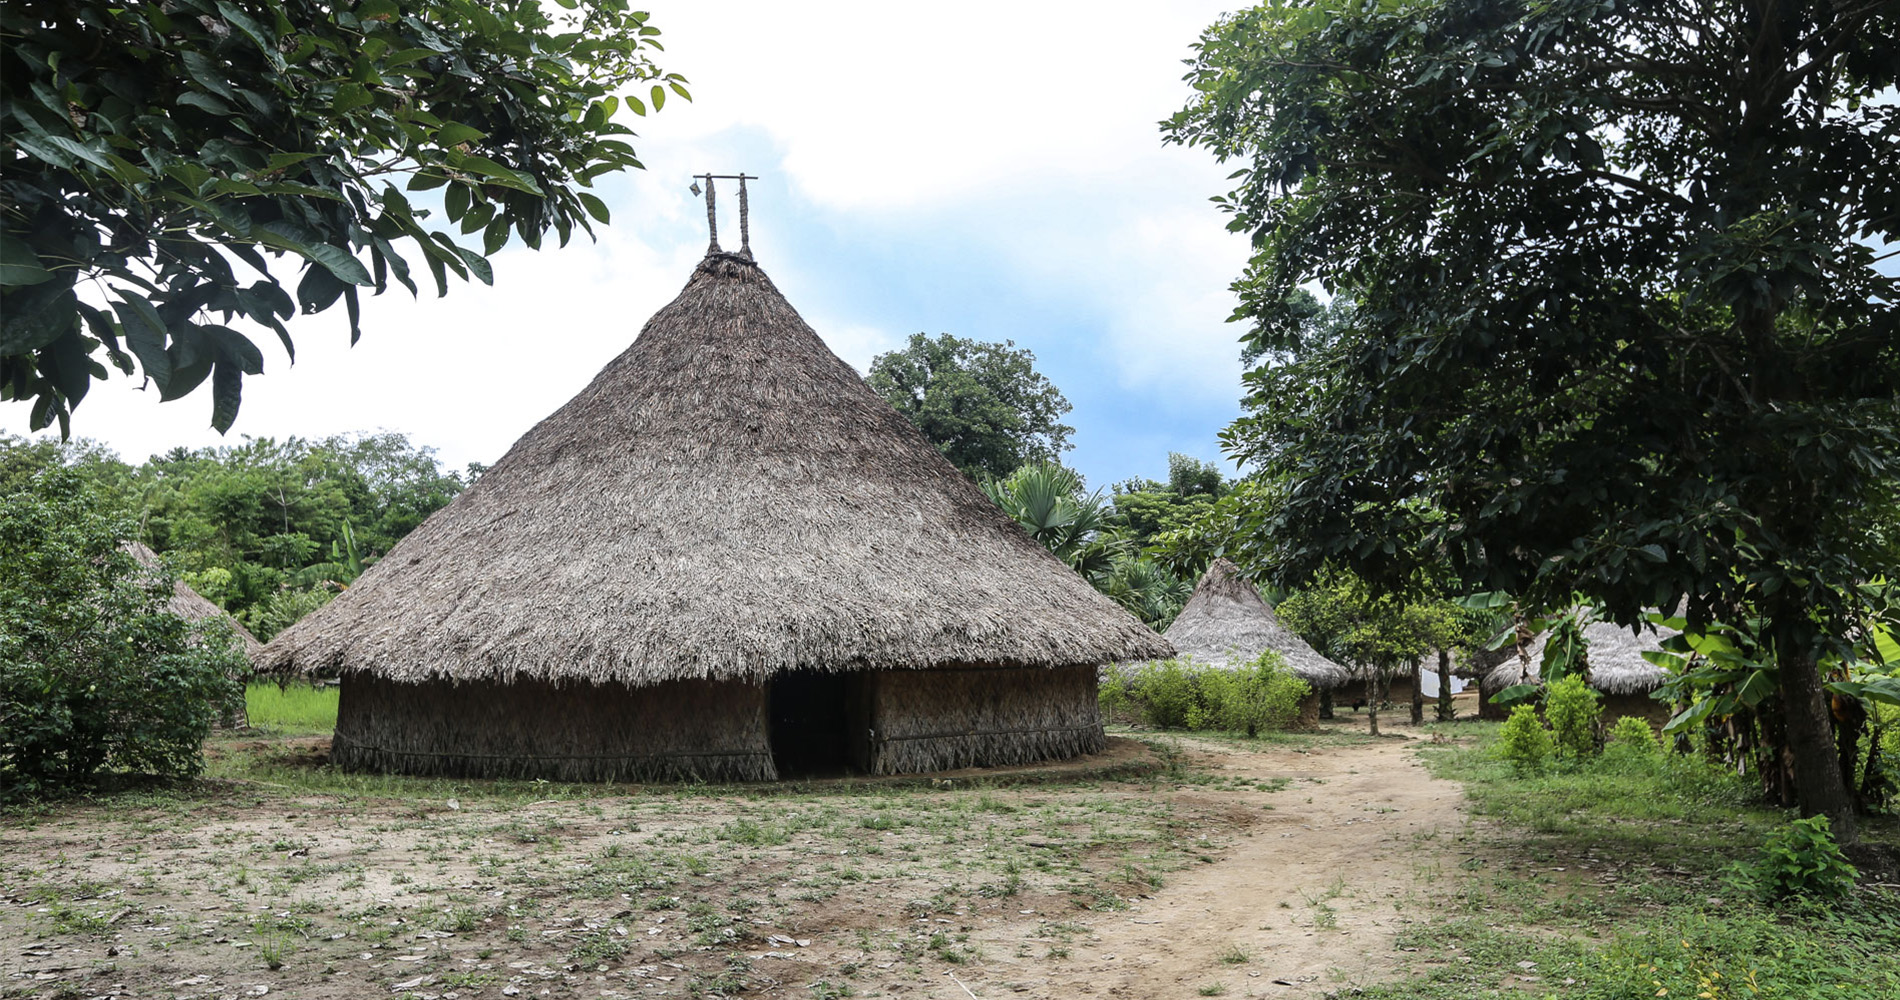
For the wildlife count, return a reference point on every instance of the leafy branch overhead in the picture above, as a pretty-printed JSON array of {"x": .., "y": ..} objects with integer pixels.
[{"x": 159, "y": 158}]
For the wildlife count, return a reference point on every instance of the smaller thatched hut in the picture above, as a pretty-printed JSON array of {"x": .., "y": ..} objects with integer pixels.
[
  {"x": 1225, "y": 621},
  {"x": 1617, "y": 670},
  {"x": 192, "y": 606}
]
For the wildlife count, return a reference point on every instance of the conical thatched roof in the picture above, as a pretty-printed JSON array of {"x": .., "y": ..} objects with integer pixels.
[
  {"x": 192, "y": 606},
  {"x": 1225, "y": 619},
  {"x": 727, "y": 499},
  {"x": 1616, "y": 660}
]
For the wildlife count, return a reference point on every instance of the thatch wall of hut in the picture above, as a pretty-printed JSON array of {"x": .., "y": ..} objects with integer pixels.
[
  {"x": 935, "y": 720},
  {"x": 678, "y": 730}
]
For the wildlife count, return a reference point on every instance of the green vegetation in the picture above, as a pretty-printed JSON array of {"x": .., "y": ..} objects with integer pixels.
[
  {"x": 982, "y": 404},
  {"x": 291, "y": 708},
  {"x": 1801, "y": 859},
  {"x": 1377, "y": 633},
  {"x": 1574, "y": 711},
  {"x": 1248, "y": 698},
  {"x": 151, "y": 148},
  {"x": 1524, "y": 742},
  {"x": 1609, "y": 333},
  {"x": 1617, "y": 880},
  {"x": 268, "y": 530},
  {"x": 96, "y": 674}
]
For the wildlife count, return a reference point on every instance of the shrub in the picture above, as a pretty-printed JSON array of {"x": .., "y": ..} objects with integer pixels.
[
  {"x": 1169, "y": 696},
  {"x": 1632, "y": 739},
  {"x": 1573, "y": 711},
  {"x": 1259, "y": 695},
  {"x": 1801, "y": 859},
  {"x": 1250, "y": 697},
  {"x": 95, "y": 672},
  {"x": 1524, "y": 742}
]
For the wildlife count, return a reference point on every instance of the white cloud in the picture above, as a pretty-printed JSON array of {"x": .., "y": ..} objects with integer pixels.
[{"x": 1019, "y": 139}]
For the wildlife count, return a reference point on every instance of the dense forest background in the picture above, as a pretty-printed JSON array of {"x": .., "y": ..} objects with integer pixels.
[{"x": 268, "y": 529}]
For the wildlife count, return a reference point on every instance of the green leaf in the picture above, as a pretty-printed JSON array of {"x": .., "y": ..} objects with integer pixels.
[
  {"x": 595, "y": 207},
  {"x": 145, "y": 335},
  {"x": 339, "y": 261},
  {"x": 19, "y": 265},
  {"x": 349, "y": 97},
  {"x": 488, "y": 168},
  {"x": 456, "y": 133},
  {"x": 227, "y": 393},
  {"x": 658, "y": 96}
]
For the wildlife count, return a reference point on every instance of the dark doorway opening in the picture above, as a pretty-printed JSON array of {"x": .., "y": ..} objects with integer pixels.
[{"x": 811, "y": 723}]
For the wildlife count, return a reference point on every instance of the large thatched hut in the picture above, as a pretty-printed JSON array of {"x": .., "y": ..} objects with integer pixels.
[
  {"x": 1225, "y": 621},
  {"x": 1617, "y": 670},
  {"x": 192, "y": 606},
  {"x": 726, "y": 558}
]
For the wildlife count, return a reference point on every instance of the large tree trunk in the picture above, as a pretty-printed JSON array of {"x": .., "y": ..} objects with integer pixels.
[
  {"x": 1819, "y": 786},
  {"x": 1444, "y": 686}
]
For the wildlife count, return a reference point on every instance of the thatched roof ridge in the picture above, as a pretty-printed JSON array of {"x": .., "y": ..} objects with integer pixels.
[
  {"x": 1616, "y": 660},
  {"x": 190, "y": 605},
  {"x": 1225, "y": 619},
  {"x": 727, "y": 499}
]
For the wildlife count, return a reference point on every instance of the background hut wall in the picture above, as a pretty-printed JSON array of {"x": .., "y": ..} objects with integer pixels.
[
  {"x": 937, "y": 720},
  {"x": 1638, "y": 704},
  {"x": 678, "y": 730}
]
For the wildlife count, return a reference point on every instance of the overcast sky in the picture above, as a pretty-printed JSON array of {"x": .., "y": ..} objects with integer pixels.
[{"x": 989, "y": 170}]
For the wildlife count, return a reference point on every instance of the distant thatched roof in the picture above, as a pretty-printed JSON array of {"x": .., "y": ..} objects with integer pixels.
[
  {"x": 1225, "y": 619},
  {"x": 1616, "y": 660},
  {"x": 727, "y": 499},
  {"x": 192, "y": 606}
]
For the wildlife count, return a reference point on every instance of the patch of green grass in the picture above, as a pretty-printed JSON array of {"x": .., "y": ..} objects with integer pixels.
[
  {"x": 293, "y": 708},
  {"x": 1675, "y": 809},
  {"x": 1618, "y": 882}
]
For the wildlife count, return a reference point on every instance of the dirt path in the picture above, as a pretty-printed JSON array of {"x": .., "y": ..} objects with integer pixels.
[{"x": 1311, "y": 898}]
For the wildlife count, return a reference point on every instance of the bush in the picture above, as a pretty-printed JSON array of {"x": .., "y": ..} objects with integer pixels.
[
  {"x": 1632, "y": 740},
  {"x": 1524, "y": 742},
  {"x": 1259, "y": 695},
  {"x": 1801, "y": 859},
  {"x": 1573, "y": 711},
  {"x": 95, "y": 672}
]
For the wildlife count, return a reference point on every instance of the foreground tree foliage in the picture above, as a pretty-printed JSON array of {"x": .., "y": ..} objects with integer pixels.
[
  {"x": 1616, "y": 308},
  {"x": 95, "y": 673},
  {"x": 982, "y": 404},
  {"x": 159, "y": 156}
]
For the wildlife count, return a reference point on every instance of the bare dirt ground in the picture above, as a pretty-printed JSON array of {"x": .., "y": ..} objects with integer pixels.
[
  {"x": 1285, "y": 869},
  {"x": 1312, "y": 896}
]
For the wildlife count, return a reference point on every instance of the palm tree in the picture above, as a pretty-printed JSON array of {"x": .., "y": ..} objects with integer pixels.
[{"x": 1047, "y": 500}]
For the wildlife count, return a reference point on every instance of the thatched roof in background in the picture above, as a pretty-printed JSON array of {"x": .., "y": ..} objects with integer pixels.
[
  {"x": 727, "y": 499},
  {"x": 1616, "y": 660},
  {"x": 192, "y": 606},
  {"x": 1225, "y": 619}
]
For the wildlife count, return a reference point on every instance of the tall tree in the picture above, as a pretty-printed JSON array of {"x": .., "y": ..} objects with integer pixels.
[
  {"x": 1617, "y": 304},
  {"x": 155, "y": 152},
  {"x": 982, "y": 404}
]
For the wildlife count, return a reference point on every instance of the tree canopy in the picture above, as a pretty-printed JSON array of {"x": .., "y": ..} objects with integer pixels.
[
  {"x": 266, "y": 529},
  {"x": 95, "y": 672},
  {"x": 162, "y": 160},
  {"x": 1618, "y": 315},
  {"x": 982, "y": 404}
]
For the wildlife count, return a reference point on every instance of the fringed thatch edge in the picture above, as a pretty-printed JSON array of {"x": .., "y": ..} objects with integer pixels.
[
  {"x": 670, "y": 767},
  {"x": 949, "y": 752}
]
